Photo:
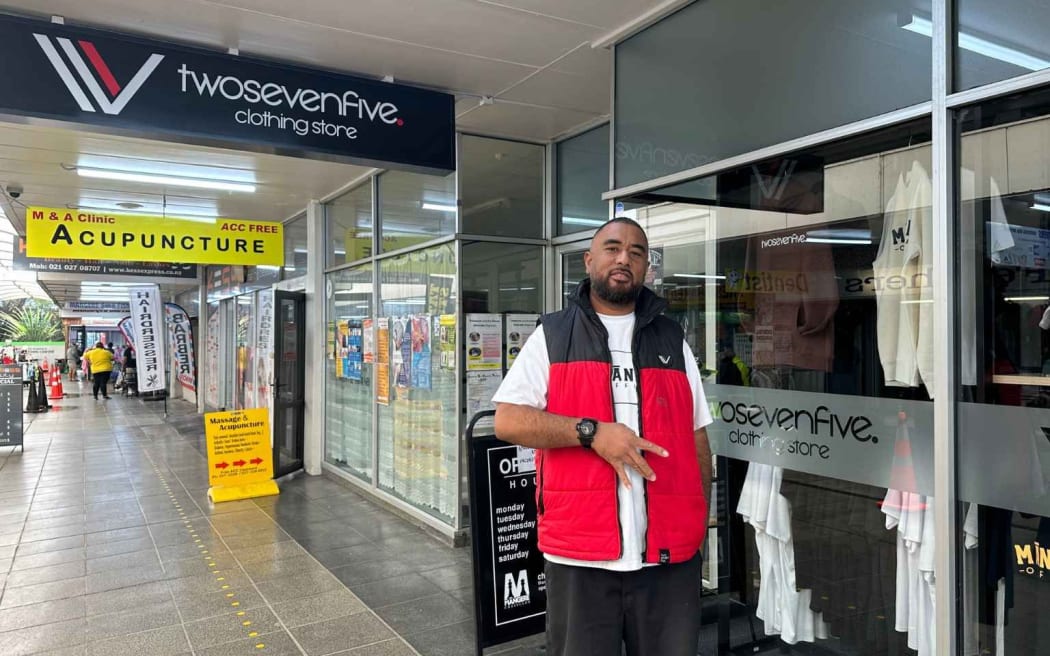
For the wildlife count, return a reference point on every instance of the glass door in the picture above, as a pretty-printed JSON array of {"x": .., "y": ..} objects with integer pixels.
[{"x": 289, "y": 382}]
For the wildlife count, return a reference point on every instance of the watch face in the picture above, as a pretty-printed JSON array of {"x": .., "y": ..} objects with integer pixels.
[{"x": 586, "y": 428}]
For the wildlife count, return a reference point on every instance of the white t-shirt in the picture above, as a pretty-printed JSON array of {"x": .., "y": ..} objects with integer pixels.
[{"x": 527, "y": 382}]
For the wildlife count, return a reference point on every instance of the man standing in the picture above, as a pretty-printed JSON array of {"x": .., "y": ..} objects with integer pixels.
[
  {"x": 72, "y": 360},
  {"x": 608, "y": 392},
  {"x": 101, "y": 362}
]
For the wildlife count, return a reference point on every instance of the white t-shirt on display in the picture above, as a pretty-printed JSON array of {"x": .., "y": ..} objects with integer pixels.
[{"x": 527, "y": 382}]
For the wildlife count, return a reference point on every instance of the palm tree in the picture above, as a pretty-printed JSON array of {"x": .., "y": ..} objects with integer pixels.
[{"x": 32, "y": 322}]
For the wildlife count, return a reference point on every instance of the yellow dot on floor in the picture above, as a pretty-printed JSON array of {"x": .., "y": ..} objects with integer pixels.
[
  {"x": 253, "y": 634},
  {"x": 260, "y": 646},
  {"x": 221, "y": 578},
  {"x": 235, "y": 603},
  {"x": 246, "y": 623},
  {"x": 229, "y": 594},
  {"x": 240, "y": 613},
  {"x": 225, "y": 587},
  {"x": 211, "y": 564}
]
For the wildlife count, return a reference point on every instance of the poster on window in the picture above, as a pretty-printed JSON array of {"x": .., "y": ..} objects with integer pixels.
[
  {"x": 446, "y": 327},
  {"x": 342, "y": 335},
  {"x": 401, "y": 331},
  {"x": 421, "y": 358},
  {"x": 368, "y": 342},
  {"x": 330, "y": 345},
  {"x": 383, "y": 361},
  {"x": 481, "y": 387},
  {"x": 352, "y": 364},
  {"x": 211, "y": 357},
  {"x": 518, "y": 329},
  {"x": 484, "y": 342}
]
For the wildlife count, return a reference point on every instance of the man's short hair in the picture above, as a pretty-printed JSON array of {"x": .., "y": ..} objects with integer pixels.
[{"x": 627, "y": 220}]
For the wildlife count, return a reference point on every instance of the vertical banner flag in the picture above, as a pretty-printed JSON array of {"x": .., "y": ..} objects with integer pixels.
[
  {"x": 126, "y": 329},
  {"x": 147, "y": 323},
  {"x": 180, "y": 344}
]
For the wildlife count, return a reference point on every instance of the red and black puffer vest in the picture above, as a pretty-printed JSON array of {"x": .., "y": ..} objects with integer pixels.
[{"x": 576, "y": 497}]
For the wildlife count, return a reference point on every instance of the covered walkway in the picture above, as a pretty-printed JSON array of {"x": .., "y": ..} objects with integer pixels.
[{"x": 109, "y": 547}]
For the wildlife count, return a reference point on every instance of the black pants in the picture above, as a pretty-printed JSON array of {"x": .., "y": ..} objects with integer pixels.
[
  {"x": 654, "y": 611},
  {"x": 100, "y": 380}
]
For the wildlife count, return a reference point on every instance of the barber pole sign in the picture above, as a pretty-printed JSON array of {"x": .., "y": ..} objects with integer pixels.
[{"x": 147, "y": 322}]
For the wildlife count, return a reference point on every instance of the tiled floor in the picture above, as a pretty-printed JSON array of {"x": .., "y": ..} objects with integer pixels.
[{"x": 109, "y": 546}]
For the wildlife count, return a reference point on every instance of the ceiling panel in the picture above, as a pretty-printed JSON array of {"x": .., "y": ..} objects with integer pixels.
[
  {"x": 607, "y": 14},
  {"x": 506, "y": 119},
  {"x": 460, "y": 26},
  {"x": 584, "y": 84}
]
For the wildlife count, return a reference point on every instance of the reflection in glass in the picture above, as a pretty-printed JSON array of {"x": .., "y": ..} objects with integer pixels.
[
  {"x": 418, "y": 426},
  {"x": 997, "y": 39},
  {"x": 502, "y": 278},
  {"x": 295, "y": 241},
  {"x": 1004, "y": 418},
  {"x": 415, "y": 208},
  {"x": 502, "y": 183},
  {"x": 349, "y": 370},
  {"x": 583, "y": 176},
  {"x": 349, "y": 226}
]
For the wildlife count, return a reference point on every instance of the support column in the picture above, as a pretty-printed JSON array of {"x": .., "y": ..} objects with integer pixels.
[{"x": 313, "y": 446}]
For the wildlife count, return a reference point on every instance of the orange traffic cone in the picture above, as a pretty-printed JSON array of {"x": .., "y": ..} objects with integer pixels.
[{"x": 56, "y": 385}]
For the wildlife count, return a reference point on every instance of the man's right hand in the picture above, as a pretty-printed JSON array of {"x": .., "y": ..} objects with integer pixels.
[{"x": 619, "y": 446}]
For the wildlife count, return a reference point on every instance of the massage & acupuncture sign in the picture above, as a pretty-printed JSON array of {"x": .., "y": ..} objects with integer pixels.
[
  {"x": 72, "y": 234},
  {"x": 240, "y": 460}
]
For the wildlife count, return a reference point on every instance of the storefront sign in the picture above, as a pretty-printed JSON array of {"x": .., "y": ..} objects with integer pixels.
[
  {"x": 22, "y": 262},
  {"x": 240, "y": 462},
  {"x": 139, "y": 86},
  {"x": 71, "y": 234},
  {"x": 147, "y": 323},
  {"x": 510, "y": 588},
  {"x": 180, "y": 344},
  {"x": 887, "y": 443},
  {"x": 11, "y": 405},
  {"x": 120, "y": 307},
  {"x": 36, "y": 351}
]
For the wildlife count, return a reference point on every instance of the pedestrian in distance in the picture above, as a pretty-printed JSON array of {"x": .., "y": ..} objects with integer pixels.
[
  {"x": 100, "y": 360},
  {"x": 608, "y": 393},
  {"x": 72, "y": 360}
]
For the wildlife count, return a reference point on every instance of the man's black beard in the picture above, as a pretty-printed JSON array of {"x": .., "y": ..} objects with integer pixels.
[{"x": 614, "y": 296}]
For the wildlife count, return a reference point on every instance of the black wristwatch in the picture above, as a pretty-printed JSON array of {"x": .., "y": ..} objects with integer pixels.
[{"x": 585, "y": 431}]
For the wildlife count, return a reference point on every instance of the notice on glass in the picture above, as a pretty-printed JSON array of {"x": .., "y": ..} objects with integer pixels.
[
  {"x": 484, "y": 342},
  {"x": 352, "y": 363},
  {"x": 421, "y": 354},
  {"x": 402, "y": 353},
  {"x": 519, "y": 327},
  {"x": 383, "y": 360},
  {"x": 447, "y": 340},
  {"x": 368, "y": 342},
  {"x": 481, "y": 387},
  {"x": 341, "y": 338}
]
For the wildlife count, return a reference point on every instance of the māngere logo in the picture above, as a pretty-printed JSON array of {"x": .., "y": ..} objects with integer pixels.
[
  {"x": 118, "y": 96},
  {"x": 516, "y": 589}
]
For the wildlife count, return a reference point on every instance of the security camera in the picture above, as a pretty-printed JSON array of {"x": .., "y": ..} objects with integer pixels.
[{"x": 14, "y": 190}]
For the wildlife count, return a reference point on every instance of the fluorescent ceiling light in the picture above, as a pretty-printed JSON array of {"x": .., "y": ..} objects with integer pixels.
[
  {"x": 924, "y": 26},
  {"x": 439, "y": 207},
  {"x": 1023, "y": 299},
  {"x": 821, "y": 240},
  {"x": 698, "y": 275},
  {"x": 917, "y": 302},
  {"x": 1041, "y": 207},
  {"x": 170, "y": 180},
  {"x": 573, "y": 220}
]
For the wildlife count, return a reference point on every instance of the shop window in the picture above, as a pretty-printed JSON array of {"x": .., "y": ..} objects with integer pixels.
[
  {"x": 502, "y": 183},
  {"x": 350, "y": 364},
  {"x": 721, "y": 78},
  {"x": 583, "y": 176},
  {"x": 349, "y": 227},
  {"x": 244, "y": 387},
  {"x": 501, "y": 278},
  {"x": 416, "y": 390},
  {"x": 415, "y": 208},
  {"x": 809, "y": 312},
  {"x": 295, "y": 242},
  {"x": 1003, "y": 313},
  {"x": 996, "y": 39}
]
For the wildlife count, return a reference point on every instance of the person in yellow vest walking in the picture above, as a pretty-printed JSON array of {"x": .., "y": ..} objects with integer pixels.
[{"x": 100, "y": 360}]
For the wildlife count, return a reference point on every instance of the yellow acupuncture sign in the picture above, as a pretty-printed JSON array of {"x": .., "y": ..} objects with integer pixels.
[{"x": 240, "y": 461}]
